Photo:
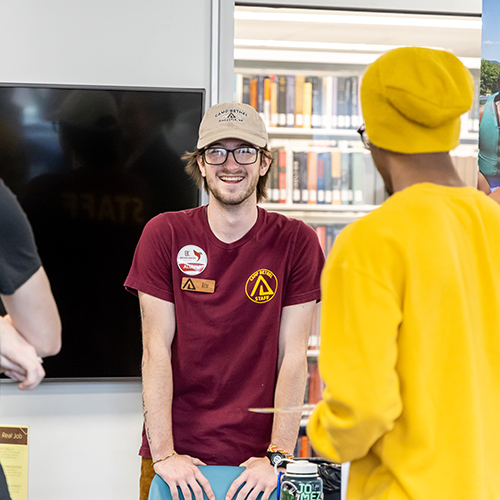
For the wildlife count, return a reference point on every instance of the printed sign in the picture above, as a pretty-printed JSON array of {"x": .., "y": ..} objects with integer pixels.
[{"x": 14, "y": 460}]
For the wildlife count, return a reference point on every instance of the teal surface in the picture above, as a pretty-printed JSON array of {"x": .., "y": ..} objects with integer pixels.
[{"x": 219, "y": 476}]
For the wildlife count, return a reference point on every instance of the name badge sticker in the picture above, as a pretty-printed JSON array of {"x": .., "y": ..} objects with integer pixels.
[{"x": 198, "y": 285}]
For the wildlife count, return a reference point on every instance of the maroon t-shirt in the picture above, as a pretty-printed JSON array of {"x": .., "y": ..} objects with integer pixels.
[{"x": 225, "y": 349}]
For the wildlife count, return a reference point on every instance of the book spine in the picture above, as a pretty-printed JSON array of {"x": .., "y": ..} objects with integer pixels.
[
  {"x": 260, "y": 95},
  {"x": 320, "y": 186},
  {"x": 312, "y": 176},
  {"x": 348, "y": 101},
  {"x": 304, "y": 447},
  {"x": 299, "y": 100},
  {"x": 317, "y": 108},
  {"x": 314, "y": 384},
  {"x": 274, "y": 101},
  {"x": 282, "y": 101},
  {"x": 327, "y": 160},
  {"x": 253, "y": 94},
  {"x": 282, "y": 175},
  {"x": 307, "y": 104},
  {"x": 336, "y": 177},
  {"x": 304, "y": 192},
  {"x": 358, "y": 172},
  {"x": 274, "y": 184},
  {"x": 327, "y": 102},
  {"x": 369, "y": 180},
  {"x": 296, "y": 178},
  {"x": 335, "y": 102},
  {"x": 321, "y": 232},
  {"x": 267, "y": 102},
  {"x": 329, "y": 238},
  {"x": 346, "y": 184},
  {"x": 341, "y": 102},
  {"x": 245, "y": 93},
  {"x": 290, "y": 101},
  {"x": 355, "y": 117}
]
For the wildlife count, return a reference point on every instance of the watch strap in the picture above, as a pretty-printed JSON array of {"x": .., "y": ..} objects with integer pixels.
[{"x": 277, "y": 456}]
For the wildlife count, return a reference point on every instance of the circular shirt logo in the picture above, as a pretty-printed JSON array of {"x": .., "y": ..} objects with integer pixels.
[
  {"x": 261, "y": 287},
  {"x": 192, "y": 260}
]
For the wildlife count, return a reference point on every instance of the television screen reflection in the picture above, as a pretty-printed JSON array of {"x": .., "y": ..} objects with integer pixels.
[{"x": 91, "y": 166}]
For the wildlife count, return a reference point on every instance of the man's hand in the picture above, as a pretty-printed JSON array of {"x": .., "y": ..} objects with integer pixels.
[
  {"x": 18, "y": 358},
  {"x": 258, "y": 476},
  {"x": 180, "y": 471}
]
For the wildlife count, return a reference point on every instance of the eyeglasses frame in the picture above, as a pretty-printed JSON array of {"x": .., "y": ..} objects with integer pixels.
[
  {"x": 364, "y": 136},
  {"x": 232, "y": 152}
]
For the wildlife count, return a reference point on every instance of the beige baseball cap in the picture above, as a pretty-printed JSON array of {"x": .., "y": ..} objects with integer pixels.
[{"x": 232, "y": 120}]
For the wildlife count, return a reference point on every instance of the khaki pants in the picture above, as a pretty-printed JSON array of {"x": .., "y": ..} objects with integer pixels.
[{"x": 147, "y": 475}]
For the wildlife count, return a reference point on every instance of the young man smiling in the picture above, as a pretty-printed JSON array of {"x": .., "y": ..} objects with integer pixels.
[{"x": 227, "y": 294}]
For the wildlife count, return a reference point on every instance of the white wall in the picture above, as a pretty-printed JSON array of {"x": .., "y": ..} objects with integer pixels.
[
  {"x": 84, "y": 437},
  {"x": 109, "y": 42}
]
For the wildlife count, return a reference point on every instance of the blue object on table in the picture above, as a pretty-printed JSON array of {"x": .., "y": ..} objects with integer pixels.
[{"x": 220, "y": 477}]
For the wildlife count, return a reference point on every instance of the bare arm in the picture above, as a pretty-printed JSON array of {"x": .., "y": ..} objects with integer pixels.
[
  {"x": 33, "y": 313},
  {"x": 158, "y": 330},
  {"x": 482, "y": 185},
  {"x": 294, "y": 336},
  {"x": 495, "y": 195},
  {"x": 18, "y": 358},
  {"x": 295, "y": 327}
]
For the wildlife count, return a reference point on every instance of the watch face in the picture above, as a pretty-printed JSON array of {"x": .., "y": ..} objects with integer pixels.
[{"x": 277, "y": 458}]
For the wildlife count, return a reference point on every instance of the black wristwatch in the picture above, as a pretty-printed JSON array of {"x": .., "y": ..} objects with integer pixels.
[{"x": 277, "y": 458}]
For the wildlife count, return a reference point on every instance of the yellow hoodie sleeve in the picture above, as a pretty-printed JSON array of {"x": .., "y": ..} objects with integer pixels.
[{"x": 358, "y": 356}]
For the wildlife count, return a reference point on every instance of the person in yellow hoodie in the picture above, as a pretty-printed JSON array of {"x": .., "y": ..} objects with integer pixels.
[{"x": 410, "y": 327}]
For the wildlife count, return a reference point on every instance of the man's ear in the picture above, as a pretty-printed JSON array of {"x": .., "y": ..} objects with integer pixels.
[
  {"x": 201, "y": 165},
  {"x": 264, "y": 165}
]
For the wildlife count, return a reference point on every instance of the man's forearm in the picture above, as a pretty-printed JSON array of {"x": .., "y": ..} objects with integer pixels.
[
  {"x": 158, "y": 329},
  {"x": 157, "y": 403},
  {"x": 33, "y": 313},
  {"x": 290, "y": 389}
]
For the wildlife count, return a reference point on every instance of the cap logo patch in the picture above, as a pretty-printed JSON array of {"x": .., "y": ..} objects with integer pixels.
[{"x": 231, "y": 115}]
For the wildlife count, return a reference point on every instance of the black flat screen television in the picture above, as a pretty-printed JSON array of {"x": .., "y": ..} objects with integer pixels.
[{"x": 90, "y": 166}]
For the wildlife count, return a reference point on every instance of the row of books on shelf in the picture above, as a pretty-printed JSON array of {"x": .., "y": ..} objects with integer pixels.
[
  {"x": 331, "y": 177},
  {"x": 302, "y": 101},
  {"x": 327, "y": 233},
  {"x": 327, "y": 102},
  {"x": 303, "y": 448}
]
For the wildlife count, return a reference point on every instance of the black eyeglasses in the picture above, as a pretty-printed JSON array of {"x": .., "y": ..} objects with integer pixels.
[
  {"x": 245, "y": 155},
  {"x": 364, "y": 136}
]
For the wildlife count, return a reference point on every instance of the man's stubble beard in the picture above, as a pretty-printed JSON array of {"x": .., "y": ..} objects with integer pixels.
[{"x": 234, "y": 200}]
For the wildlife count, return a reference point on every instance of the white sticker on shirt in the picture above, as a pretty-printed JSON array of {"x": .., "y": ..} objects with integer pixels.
[{"x": 192, "y": 260}]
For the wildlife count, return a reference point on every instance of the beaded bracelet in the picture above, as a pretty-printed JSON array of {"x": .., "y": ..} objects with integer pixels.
[
  {"x": 161, "y": 459},
  {"x": 273, "y": 449}
]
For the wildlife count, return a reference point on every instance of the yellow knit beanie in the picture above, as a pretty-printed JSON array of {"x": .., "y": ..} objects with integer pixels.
[{"x": 412, "y": 99}]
